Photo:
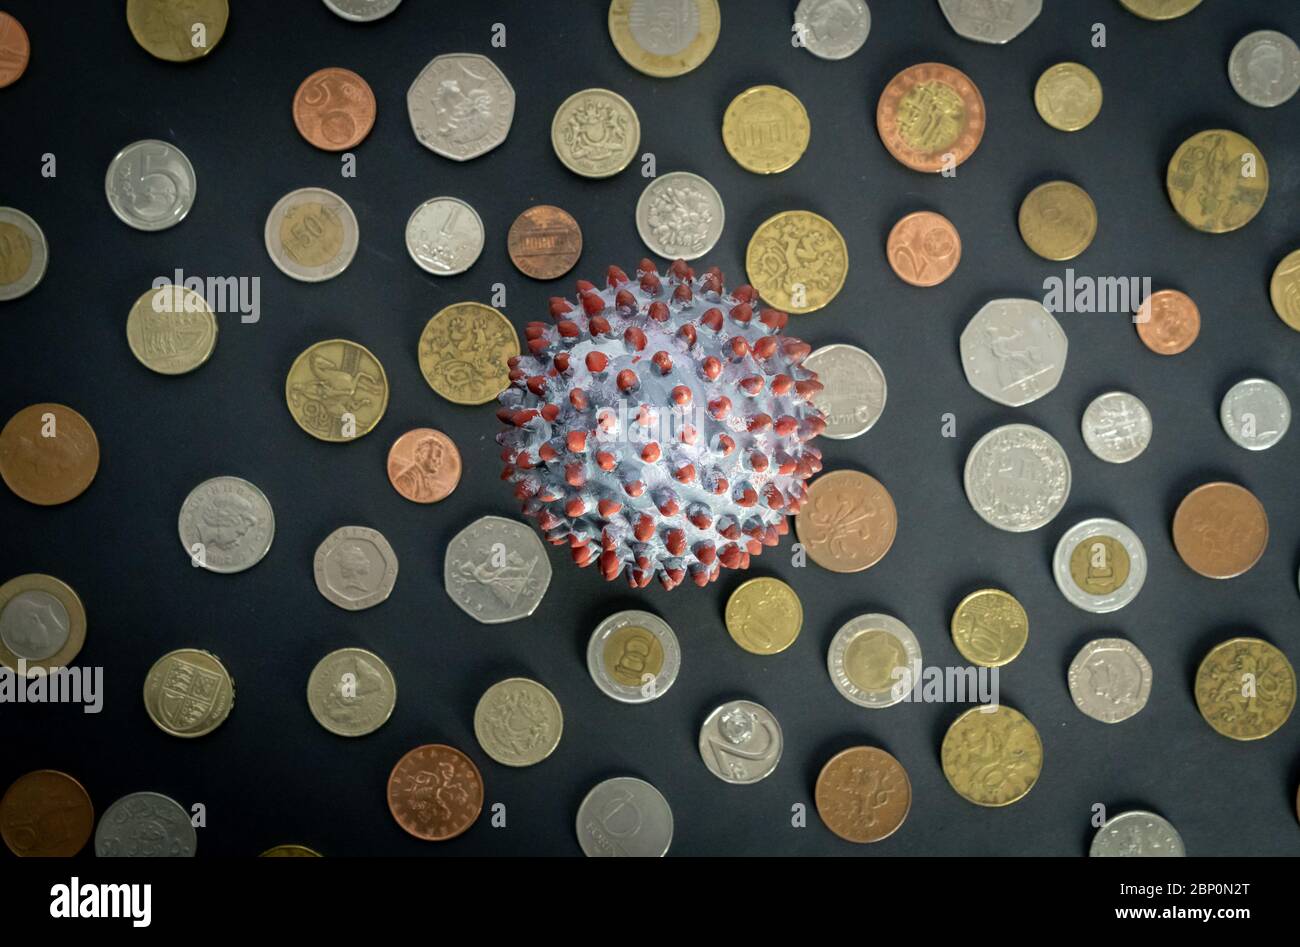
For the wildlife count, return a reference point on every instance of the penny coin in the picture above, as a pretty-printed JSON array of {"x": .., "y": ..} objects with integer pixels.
[
  {"x": 625, "y": 816},
  {"x": 334, "y": 109},
  {"x": 1255, "y": 413},
  {"x": 1220, "y": 530},
  {"x": 595, "y": 133},
  {"x": 764, "y": 615},
  {"x": 146, "y": 825},
  {"x": 799, "y": 282},
  {"x": 290, "y": 851},
  {"x": 1058, "y": 220},
  {"x": 1100, "y": 565},
  {"x": 361, "y": 11},
  {"x": 435, "y": 792},
  {"x": 1160, "y": 9},
  {"x": 1284, "y": 290},
  {"x": 355, "y": 568},
  {"x": 924, "y": 248},
  {"x": 226, "y": 525},
  {"x": 1013, "y": 351},
  {"x": 847, "y": 521},
  {"x": 1017, "y": 478},
  {"x": 1217, "y": 181},
  {"x": 1265, "y": 68},
  {"x": 311, "y": 234},
  {"x": 46, "y": 814},
  {"x": 992, "y": 755},
  {"x": 150, "y": 185},
  {"x": 1110, "y": 679},
  {"x": 680, "y": 216},
  {"x": 463, "y": 352},
  {"x": 853, "y": 390},
  {"x": 1137, "y": 834},
  {"x": 741, "y": 742},
  {"x": 1116, "y": 427},
  {"x": 461, "y": 106},
  {"x": 1168, "y": 322},
  {"x": 177, "y": 30},
  {"x": 24, "y": 254},
  {"x": 1245, "y": 688},
  {"x": 990, "y": 628},
  {"x": 518, "y": 722},
  {"x": 664, "y": 38},
  {"x": 832, "y": 29},
  {"x": 1068, "y": 96},
  {"x": 986, "y": 23},
  {"x": 863, "y": 794},
  {"x": 424, "y": 465},
  {"x": 766, "y": 129},
  {"x": 171, "y": 330},
  {"x": 42, "y": 624},
  {"x": 188, "y": 693},
  {"x": 931, "y": 117},
  {"x": 874, "y": 661},
  {"x": 496, "y": 570},
  {"x": 15, "y": 50},
  {"x": 351, "y": 692},
  {"x": 48, "y": 454},
  {"x": 444, "y": 236},
  {"x": 544, "y": 242},
  {"x": 633, "y": 657},
  {"x": 336, "y": 390}
]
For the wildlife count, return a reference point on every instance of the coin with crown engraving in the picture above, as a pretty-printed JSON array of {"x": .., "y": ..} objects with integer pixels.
[
  {"x": 595, "y": 133},
  {"x": 188, "y": 693}
]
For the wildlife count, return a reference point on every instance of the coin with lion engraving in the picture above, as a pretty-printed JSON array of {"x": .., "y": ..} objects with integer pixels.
[{"x": 518, "y": 722}]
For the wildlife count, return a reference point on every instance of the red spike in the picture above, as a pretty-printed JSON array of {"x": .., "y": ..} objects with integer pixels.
[
  {"x": 658, "y": 311},
  {"x": 615, "y": 276},
  {"x": 605, "y": 460},
  {"x": 644, "y": 528},
  {"x": 720, "y": 407},
  {"x": 608, "y": 508},
  {"x": 593, "y": 304},
  {"x": 680, "y": 395},
  {"x": 713, "y": 319},
  {"x": 597, "y": 361},
  {"x": 685, "y": 473},
  {"x": 664, "y": 362},
  {"x": 712, "y": 368},
  {"x": 634, "y": 338},
  {"x": 575, "y": 508},
  {"x": 650, "y": 453},
  {"x": 625, "y": 302},
  {"x": 765, "y": 347},
  {"x": 675, "y": 540},
  {"x": 626, "y": 380}
]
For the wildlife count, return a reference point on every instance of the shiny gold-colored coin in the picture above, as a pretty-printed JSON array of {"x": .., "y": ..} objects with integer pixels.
[
  {"x": 992, "y": 757},
  {"x": 42, "y": 624},
  {"x": 595, "y": 133},
  {"x": 631, "y": 653},
  {"x": 1068, "y": 96},
  {"x": 1058, "y": 220},
  {"x": 797, "y": 261},
  {"x": 188, "y": 693},
  {"x": 1285, "y": 290},
  {"x": 1245, "y": 688},
  {"x": 290, "y": 851},
  {"x": 1218, "y": 181},
  {"x": 664, "y": 39},
  {"x": 1160, "y": 9},
  {"x": 177, "y": 30},
  {"x": 1099, "y": 581},
  {"x": 990, "y": 628},
  {"x": 847, "y": 522},
  {"x": 464, "y": 350},
  {"x": 171, "y": 330},
  {"x": 48, "y": 454},
  {"x": 766, "y": 129},
  {"x": 336, "y": 390},
  {"x": 764, "y": 615},
  {"x": 518, "y": 722}
]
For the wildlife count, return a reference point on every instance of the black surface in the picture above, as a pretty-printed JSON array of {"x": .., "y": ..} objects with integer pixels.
[{"x": 272, "y": 775}]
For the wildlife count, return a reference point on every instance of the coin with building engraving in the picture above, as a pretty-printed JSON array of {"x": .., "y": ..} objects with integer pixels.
[
  {"x": 680, "y": 216},
  {"x": 990, "y": 627},
  {"x": 764, "y": 615},
  {"x": 1220, "y": 530},
  {"x": 853, "y": 389},
  {"x": 1137, "y": 834},
  {"x": 992, "y": 755},
  {"x": 435, "y": 792},
  {"x": 1100, "y": 565},
  {"x": 188, "y": 693},
  {"x": 544, "y": 242},
  {"x": 1013, "y": 351},
  {"x": 464, "y": 350},
  {"x": 496, "y": 570},
  {"x": 874, "y": 661},
  {"x": 518, "y": 722},
  {"x": 24, "y": 254},
  {"x": 311, "y": 234},
  {"x": 1255, "y": 413},
  {"x": 351, "y": 692},
  {"x": 1110, "y": 679},
  {"x": 1218, "y": 181},
  {"x": 171, "y": 330},
  {"x": 336, "y": 390},
  {"x": 49, "y": 454},
  {"x": 626, "y": 817},
  {"x": 226, "y": 525},
  {"x": 847, "y": 522},
  {"x": 150, "y": 185},
  {"x": 461, "y": 106},
  {"x": 146, "y": 825},
  {"x": 863, "y": 794},
  {"x": 986, "y": 22},
  {"x": 595, "y": 133},
  {"x": 42, "y": 624},
  {"x": 1245, "y": 688},
  {"x": 633, "y": 657},
  {"x": 931, "y": 117},
  {"x": 1017, "y": 477},
  {"x": 766, "y": 129},
  {"x": 355, "y": 567},
  {"x": 46, "y": 814},
  {"x": 1116, "y": 427},
  {"x": 664, "y": 38},
  {"x": 741, "y": 742},
  {"x": 177, "y": 30},
  {"x": 444, "y": 236}
]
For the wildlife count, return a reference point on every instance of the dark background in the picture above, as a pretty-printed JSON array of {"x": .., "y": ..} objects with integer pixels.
[{"x": 270, "y": 774}]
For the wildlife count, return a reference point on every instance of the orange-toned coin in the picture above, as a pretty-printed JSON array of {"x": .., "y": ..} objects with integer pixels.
[
  {"x": 847, "y": 522},
  {"x": 931, "y": 117},
  {"x": 1220, "y": 530},
  {"x": 1168, "y": 322},
  {"x": 424, "y": 465},
  {"x": 46, "y": 813},
  {"x": 544, "y": 242},
  {"x": 863, "y": 794},
  {"x": 435, "y": 792},
  {"x": 48, "y": 454},
  {"x": 924, "y": 248},
  {"x": 15, "y": 50},
  {"x": 334, "y": 109}
]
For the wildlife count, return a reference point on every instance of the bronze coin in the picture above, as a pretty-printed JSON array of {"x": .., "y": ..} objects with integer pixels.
[
  {"x": 424, "y": 465},
  {"x": 48, "y": 454},
  {"x": 334, "y": 109},
  {"x": 924, "y": 248},
  {"x": 847, "y": 522},
  {"x": 931, "y": 117},
  {"x": 46, "y": 813},
  {"x": 1220, "y": 530},
  {"x": 544, "y": 242},
  {"x": 15, "y": 50},
  {"x": 1168, "y": 322},
  {"x": 863, "y": 794},
  {"x": 435, "y": 792}
]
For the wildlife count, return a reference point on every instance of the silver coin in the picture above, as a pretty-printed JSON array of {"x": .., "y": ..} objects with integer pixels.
[
  {"x": 355, "y": 567},
  {"x": 1137, "y": 834},
  {"x": 518, "y": 722},
  {"x": 1017, "y": 477},
  {"x": 362, "y": 11},
  {"x": 24, "y": 254},
  {"x": 853, "y": 398},
  {"x": 833, "y": 29},
  {"x": 1013, "y": 351},
  {"x": 1255, "y": 413},
  {"x": 664, "y": 27},
  {"x": 461, "y": 106},
  {"x": 150, "y": 185},
  {"x": 1110, "y": 679},
  {"x": 1100, "y": 565},
  {"x": 444, "y": 236},
  {"x": 680, "y": 216},
  {"x": 226, "y": 525},
  {"x": 633, "y": 657},
  {"x": 145, "y": 825},
  {"x": 1265, "y": 68},
  {"x": 741, "y": 742},
  {"x": 625, "y": 816},
  {"x": 1116, "y": 427},
  {"x": 35, "y": 625},
  {"x": 311, "y": 234},
  {"x": 496, "y": 570},
  {"x": 874, "y": 661},
  {"x": 351, "y": 692},
  {"x": 986, "y": 22}
]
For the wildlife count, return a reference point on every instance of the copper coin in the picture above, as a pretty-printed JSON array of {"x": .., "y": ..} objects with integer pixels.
[
  {"x": 931, "y": 117},
  {"x": 1168, "y": 322},
  {"x": 924, "y": 248},
  {"x": 48, "y": 454},
  {"x": 544, "y": 242},
  {"x": 334, "y": 109},
  {"x": 1220, "y": 530},
  {"x": 46, "y": 813},
  {"x": 424, "y": 465},
  {"x": 847, "y": 522},
  {"x": 15, "y": 50},
  {"x": 435, "y": 792},
  {"x": 863, "y": 794}
]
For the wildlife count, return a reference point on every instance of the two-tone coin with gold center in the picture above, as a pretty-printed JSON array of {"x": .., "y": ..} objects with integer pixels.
[
  {"x": 990, "y": 627},
  {"x": 464, "y": 350},
  {"x": 48, "y": 454},
  {"x": 1245, "y": 688},
  {"x": 336, "y": 390},
  {"x": 24, "y": 254},
  {"x": 797, "y": 261},
  {"x": 42, "y": 624},
  {"x": 595, "y": 133},
  {"x": 311, "y": 234},
  {"x": 863, "y": 794},
  {"x": 664, "y": 38},
  {"x": 1100, "y": 565},
  {"x": 1285, "y": 290},
  {"x": 1068, "y": 96},
  {"x": 874, "y": 661},
  {"x": 1058, "y": 220},
  {"x": 931, "y": 117},
  {"x": 518, "y": 722},
  {"x": 766, "y": 129},
  {"x": 1218, "y": 181},
  {"x": 1160, "y": 9},
  {"x": 992, "y": 755},
  {"x": 188, "y": 693},
  {"x": 177, "y": 30},
  {"x": 171, "y": 330},
  {"x": 847, "y": 522},
  {"x": 633, "y": 656},
  {"x": 764, "y": 615}
]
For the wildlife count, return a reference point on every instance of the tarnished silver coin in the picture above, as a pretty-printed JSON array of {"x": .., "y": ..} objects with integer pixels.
[
  {"x": 150, "y": 185},
  {"x": 1116, "y": 427},
  {"x": 362, "y": 11},
  {"x": 874, "y": 661},
  {"x": 986, "y": 22},
  {"x": 854, "y": 392},
  {"x": 355, "y": 568},
  {"x": 461, "y": 106},
  {"x": 680, "y": 216},
  {"x": 1110, "y": 679},
  {"x": 1013, "y": 351},
  {"x": 351, "y": 692},
  {"x": 444, "y": 236},
  {"x": 741, "y": 742},
  {"x": 1255, "y": 413},
  {"x": 1017, "y": 477},
  {"x": 1265, "y": 68},
  {"x": 1137, "y": 834},
  {"x": 833, "y": 29},
  {"x": 633, "y": 657},
  {"x": 1100, "y": 565},
  {"x": 24, "y": 253},
  {"x": 518, "y": 722},
  {"x": 226, "y": 525},
  {"x": 625, "y": 816},
  {"x": 496, "y": 570},
  {"x": 311, "y": 234},
  {"x": 145, "y": 825}
]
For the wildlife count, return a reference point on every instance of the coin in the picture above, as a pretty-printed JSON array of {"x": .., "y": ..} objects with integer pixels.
[
  {"x": 924, "y": 248},
  {"x": 336, "y": 390},
  {"x": 188, "y": 693},
  {"x": 1058, "y": 220},
  {"x": 1245, "y": 688},
  {"x": 444, "y": 236},
  {"x": 1255, "y": 413},
  {"x": 46, "y": 814},
  {"x": 355, "y": 568},
  {"x": 463, "y": 352},
  {"x": 990, "y": 23},
  {"x": 1116, "y": 427},
  {"x": 1217, "y": 181},
  {"x": 311, "y": 234},
  {"x": 931, "y": 117},
  {"x": 23, "y": 254},
  {"x": 1017, "y": 478},
  {"x": 1137, "y": 834},
  {"x": 832, "y": 29},
  {"x": 290, "y": 851},
  {"x": 1110, "y": 679},
  {"x": 496, "y": 570},
  {"x": 764, "y": 615},
  {"x": 351, "y": 692},
  {"x": 177, "y": 30},
  {"x": 990, "y": 628},
  {"x": 1220, "y": 530},
  {"x": 664, "y": 38},
  {"x": 146, "y": 825},
  {"x": 1160, "y": 9},
  {"x": 803, "y": 280},
  {"x": 847, "y": 521},
  {"x": 766, "y": 129},
  {"x": 150, "y": 185},
  {"x": 48, "y": 454},
  {"x": 15, "y": 50},
  {"x": 42, "y": 623},
  {"x": 680, "y": 216},
  {"x": 518, "y": 722},
  {"x": 171, "y": 330},
  {"x": 863, "y": 794},
  {"x": 435, "y": 792},
  {"x": 362, "y": 11},
  {"x": 1265, "y": 68},
  {"x": 1068, "y": 96},
  {"x": 1100, "y": 565},
  {"x": 874, "y": 661},
  {"x": 1013, "y": 351},
  {"x": 992, "y": 757},
  {"x": 595, "y": 133},
  {"x": 1284, "y": 289},
  {"x": 424, "y": 465},
  {"x": 226, "y": 525},
  {"x": 741, "y": 742},
  {"x": 625, "y": 816},
  {"x": 544, "y": 242},
  {"x": 461, "y": 106},
  {"x": 633, "y": 657},
  {"x": 853, "y": 390},
  {"x": 334, "y": 109},
  {"x": 1168, "y": 322}
]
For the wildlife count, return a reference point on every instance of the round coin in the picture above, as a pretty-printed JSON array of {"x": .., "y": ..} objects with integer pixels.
[
  {"x": 424, "y": 465},
  {"x": 863, "y": 794},
  {"x": 46, "y": 814},
  {"x": 334, "y": 109},
  {"x": 1255, "y": 413},
  {"x": 1017, "y": 478},
  {"x": 847, "y": 521},
  {"x": 444, "y": 236},
  {"x": 1058, "y": 220},
  {"x": 177, "y": 30},
  {"x": 1245, "y": 688},
  {"x": 171, "y": 330},
  {"x": 1110, "y": 679},
  {"x": 188, "y": 693},
  {"x": 226, "y": 525},
  {"x": 336, "y": 390},
  {"x": 990, "y": 628},
  {"x": 1137, "y": 834},
  {"x": 832, "y": 29},
  {"x": 351, "y": 692},
  {"x": 625, "y": 816},
  {"x": 633, "y": 657},
  {"x": 518, "y": 722},
  {"x": 463, "y": 352},
  {"x": 1217, "y": 181},
  {"x": 853, "y": 390},
  {"x": 42, "y": 624},
  {"x": 1116, "y": 427},
  {"x": 1100, "y": 565},
  {"x": 764, "y": 615},
  {"x": 741, "y": 742},
  {"x": 988, "y": 23},
  {"x": 355, "y": 568},
  {"x": 874, "y": 661},
  {"x": 461, "y": 106},
  {"x": 311, "y": 234},
  {"x": 48, "y": 454},
  {"x": 24, "y": 254},
  {"x": 361, "y": 11},
  {"x": 1068, "y": 96},
  {"x": 1284, "y": 290},
  {"x": 1264, "y": 68},
  {"x": 15, "y": 50},
  {"x": 931, "y": 117},
  {"x": 544, "y": 242},
  {"x": 595, "y": 133},
  {"x": 146, "y": 825},
  {"x": 766, "y": 129},
  {"x": 1160, "y": 9},
  {"x": 1220, "y": 530},
  {"x": 290, "y": 850},
  {"x": 1013, "y": 351},
  {"x": 1168, "y": 322},
  {"x": 150, "y": 185},
  {"x": 435, "y": 792},
  {"x": 924, "y": 248},
  {"x": 664, "y": 38},
  {"x": 992, "y": 755},
  {"x": 802, "y": 281},
  {"x": 680, "y": 216},
  {"x": 496, "y": 570}
]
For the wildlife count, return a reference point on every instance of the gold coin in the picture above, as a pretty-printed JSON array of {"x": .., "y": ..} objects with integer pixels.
[
  {"x": 290, "y": 851},
  {"x": 171, "y": 330},
  {"x": 1217, "y": 181},
  {"x": 311, "y": 234},
  {"x": 764, "y": 615},
  {"x": 351, "y": 692},
  {"x": 664, "y": 39},
  {"x": 797, "y": 261},
  {"x": 992, "y": 755},
  {"x": 990, "y": 628},
  {"x": 464, "y": 350},
  {"x": 1245, "y": 688},
  {"x": 15, "y": 254},
  {"x": 1285, "y": 290},
  {"x": 766, "y": 129},
  {"x": 518, "y": 722},
  {"x": 1160, "y": 9},
  {"x": 188, "y": 693},
  {"x": 336, "y": 390},
  {"x": 1068, "y": 96},
  {"x": 1058, "y": 220},
  {"x": 595, "y": 133},
  {"x": 633, "y": 655},
  {"x": 48, "y": 454},
  {"x": 1099, "y": 565},
  {"x": 42, "y": 623},
  {"x": 847, "y": 522},
  {"x": 177, "y": 30}
]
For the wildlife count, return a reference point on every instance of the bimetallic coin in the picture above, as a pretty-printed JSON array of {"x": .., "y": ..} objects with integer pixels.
[
  {"x": 46, "y": 814},
  {"x": 680, "y": 216},
  {"x": 992, "y": 755},
  {"x": 355, "y": 568},
  {"x": 15, "y": 50},
  {"x": 625, "y": 816},
  {"x": 863, "y": 794},
  {"x": 444, "y": 236},
  {"x": 351, "y": 692},
  {"x": 461, "y": 106},
  {"x": 435, "y": 792},
  {"x": 874, "y": 661},
  {"x": 1160, "y": 9},
  {"x": 741, "y": 742},
  {"x": 226, "y": 525},
  {"x": 1100, "y": 565},
  {"x": 931, "y": 117},
  {"x": 990, "y": 22},
  {"x": 24, "y": 254},
  {"x": 1265, "y": 68},
  {"x": 764, "y": 615},
  {"x": 1013, "y": 351},
  {"x": 463, "y": 352},
  {"x": 1058, "y": 220},
  {"x": 664, "y": 38},
  {"x": 1017, "y": 478},
  {"x": 334, "y": 109},
  {"x": 177, "y": 30},
  {"x": 42, "y": 624},
  {"x": 544, "y": 242},
  {"x": 595, "y": 133},
  {"x": 518, "y": 722},
  {"x": 847, "y": 522},
  {"x": 805, "y": 279},
  {"x": 48, "y": 454},
  {"x": 990, "y": 628},
  {"x": 1116, "y": 427},
  {"x": 424, "y": 465},
  {"x": 290, "y": 851},
  {"x": 1217, "y": 181},
  {"x": 311, "y": 234},
  {"x": 766, "y": 129},
  {"x": 188, "y": 693},
  {"x": 1168, "y": 322},
  {"x": 924, "y": 248},
  {"x": 496, "y": 570},
  {"x": 362, "y": 11},
  {"x": 1137, "y": 834},
  {"x": 1284, "y": 289},
  {"x": 171, "y": 330},
  {"x": 633, "y": 657},
  {"x": 146, "y": 825},
  {"x": 1255, "y": 413},
  {"x": 336, "y": 390},
  {"x": 1110, "y": 679},
  {"x": 832, "y": 29},
  {"x": 150, "y": 185},
  {"x": 1068, "y": 96},
  {"x": 1220, "y": 530},
  {"x": 853, "y": 390},
  {"x": 1245, "y": 688}
]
